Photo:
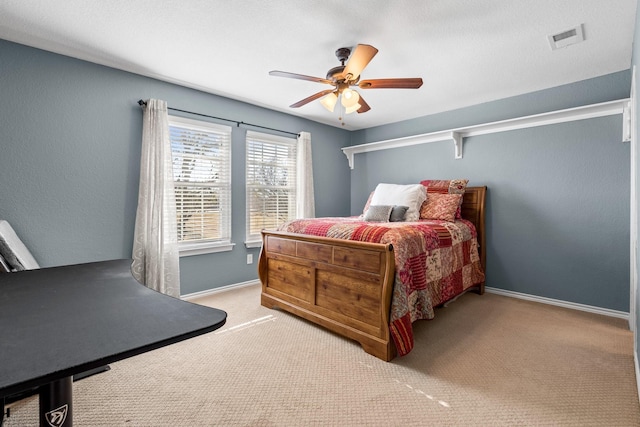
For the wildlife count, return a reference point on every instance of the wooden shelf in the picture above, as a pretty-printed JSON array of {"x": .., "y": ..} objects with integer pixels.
[{"x": 620, "y": 106}]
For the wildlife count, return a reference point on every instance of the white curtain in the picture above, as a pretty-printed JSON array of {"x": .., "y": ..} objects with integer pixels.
[
  {"x": 306, "y": 207},
  {"x": 155, "y": 245}
]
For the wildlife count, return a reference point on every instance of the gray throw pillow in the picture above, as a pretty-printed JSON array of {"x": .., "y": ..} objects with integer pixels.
[
  {"x": 398, "y": 213},
  {"x": 378, "y": 213}
]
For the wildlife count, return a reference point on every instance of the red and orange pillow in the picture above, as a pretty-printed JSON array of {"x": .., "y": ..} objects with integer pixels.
[
  {"x": 441, "y": 206},
  {"x": 444, "y": 199},
  {"x": 448, "y": 186}
]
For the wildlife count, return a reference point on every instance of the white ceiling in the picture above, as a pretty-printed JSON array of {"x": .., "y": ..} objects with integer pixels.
[{"x": 467, "y": 52}]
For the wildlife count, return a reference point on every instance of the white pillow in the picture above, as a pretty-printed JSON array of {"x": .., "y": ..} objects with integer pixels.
[{"x": 411, "y": 195}]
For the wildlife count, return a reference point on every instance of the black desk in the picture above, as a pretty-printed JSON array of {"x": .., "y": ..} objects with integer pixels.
[{"x": 60, "y": 321}]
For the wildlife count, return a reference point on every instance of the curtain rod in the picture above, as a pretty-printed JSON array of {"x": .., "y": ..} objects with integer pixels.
[{"x": 141, "y": 103}]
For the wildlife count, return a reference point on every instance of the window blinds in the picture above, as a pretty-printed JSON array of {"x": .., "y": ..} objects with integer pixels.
[
  {"x": 201, "y": 153},
  {"x": 271, "y": 182}
]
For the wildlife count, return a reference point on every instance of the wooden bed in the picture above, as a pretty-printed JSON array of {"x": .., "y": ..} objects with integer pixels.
[{"x": 344, "y": 285}]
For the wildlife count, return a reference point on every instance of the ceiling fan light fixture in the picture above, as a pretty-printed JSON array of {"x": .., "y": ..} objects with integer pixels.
[
  {"x": 329, "y": 101},
  {"x": 349, "y": 110},
  {"x": 349, "y": 98}
]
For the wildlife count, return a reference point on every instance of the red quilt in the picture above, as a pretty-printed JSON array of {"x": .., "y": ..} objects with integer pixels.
[{"x": 435, "y": 261}]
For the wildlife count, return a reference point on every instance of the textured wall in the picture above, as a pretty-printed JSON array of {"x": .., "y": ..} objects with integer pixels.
[
  {"x": 558, "y": 199},
  {"x": 635, "y": 62},
  {"x": 70, "y": 136}
]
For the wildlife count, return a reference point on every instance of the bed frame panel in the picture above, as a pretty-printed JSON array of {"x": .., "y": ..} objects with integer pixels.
[{"x": 343, "y": 285}]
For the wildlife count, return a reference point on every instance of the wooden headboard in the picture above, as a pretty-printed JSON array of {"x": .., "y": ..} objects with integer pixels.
[{"x": 473, "y": 210}]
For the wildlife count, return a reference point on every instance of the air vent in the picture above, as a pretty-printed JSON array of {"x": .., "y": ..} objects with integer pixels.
[{"x": 566, "y": 38}]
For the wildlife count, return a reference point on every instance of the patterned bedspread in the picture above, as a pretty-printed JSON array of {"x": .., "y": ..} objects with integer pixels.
[{"x": 435, "y": 261}]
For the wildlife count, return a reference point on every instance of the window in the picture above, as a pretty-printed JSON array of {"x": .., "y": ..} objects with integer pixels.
[
  {"x": 271, "y": 183},
  {"x": 201, "y": 153}
]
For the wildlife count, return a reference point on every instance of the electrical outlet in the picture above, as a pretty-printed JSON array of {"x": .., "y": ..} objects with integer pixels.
[{"x": 249, "y": 258}]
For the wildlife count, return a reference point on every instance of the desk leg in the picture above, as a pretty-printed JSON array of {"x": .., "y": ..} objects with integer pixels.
[{"x": 56, "y": 403}]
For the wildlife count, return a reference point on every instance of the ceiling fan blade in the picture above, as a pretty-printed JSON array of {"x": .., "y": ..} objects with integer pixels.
[
  {"x": 410, "y": 83},
  {"x": 311, "y": 98},
  {"x": 364, "y": 106},
  {"x": 299, "y": 77},
  {"x": 359, "y": 59}
]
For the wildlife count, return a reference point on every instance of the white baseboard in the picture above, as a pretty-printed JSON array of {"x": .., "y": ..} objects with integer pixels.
[
  {"x": 560, "y": 303},
  {"x": 497, "y": 291},
  {"x": 213, "y": 291}
]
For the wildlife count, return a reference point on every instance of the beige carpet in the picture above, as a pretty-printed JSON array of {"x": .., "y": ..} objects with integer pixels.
[{"x": 484, "y": 361}]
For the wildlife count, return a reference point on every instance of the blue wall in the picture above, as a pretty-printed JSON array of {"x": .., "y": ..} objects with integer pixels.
[
  {"x": 70, "y": 135},
  {"x": 557, "y": 209},
  {"x": 635, "y": 63},
  {"x": 557, "y": 216}
]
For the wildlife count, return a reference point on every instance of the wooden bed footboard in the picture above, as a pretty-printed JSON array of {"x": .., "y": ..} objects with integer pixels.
[{"x": 344, "y": 286}]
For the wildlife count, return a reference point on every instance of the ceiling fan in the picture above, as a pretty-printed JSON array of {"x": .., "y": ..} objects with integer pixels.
[{"x": 343, "y": 77}]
